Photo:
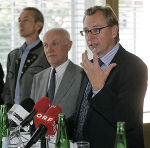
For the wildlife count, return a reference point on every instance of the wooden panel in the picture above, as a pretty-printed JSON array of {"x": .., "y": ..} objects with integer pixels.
[
  {"x": 146, "y": 131},
  {"x": 114, "y": 5}
]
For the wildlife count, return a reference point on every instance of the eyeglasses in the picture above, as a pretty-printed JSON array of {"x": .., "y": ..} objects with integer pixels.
[{"x": 93, "y": 31}]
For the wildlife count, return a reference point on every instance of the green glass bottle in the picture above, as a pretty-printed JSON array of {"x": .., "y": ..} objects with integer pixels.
[
  {"x": 121, "y": 136},
  {"x": 62, "y": 140},
  {"x": 1, "y": 115},
  {"x": 5, "y": 127}
]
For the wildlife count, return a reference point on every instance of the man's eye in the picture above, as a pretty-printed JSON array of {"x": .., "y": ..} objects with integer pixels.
[
  {"x": 86, "y": 31},
  {"x": 44, "y": 45},
  {"x": 55, "y": 43},
  {"x": 95, "y": 30}
]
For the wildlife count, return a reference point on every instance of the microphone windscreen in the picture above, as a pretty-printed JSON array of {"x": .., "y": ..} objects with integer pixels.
[
  {"x": 46, "y": 120},
  {"x": 27, "y": 104},
  {"x": 54, "y": 111},
  {"x": 42, "y": 104}
]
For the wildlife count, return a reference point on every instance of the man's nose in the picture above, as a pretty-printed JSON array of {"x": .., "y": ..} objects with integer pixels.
[
  {"x": 21, "y": 23},
  {"x": 49, "y": 48},
  {"x": 90, "y": 35}
]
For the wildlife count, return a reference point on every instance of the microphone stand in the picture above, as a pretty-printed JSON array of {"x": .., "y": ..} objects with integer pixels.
[{"x": 43, "y": 142}]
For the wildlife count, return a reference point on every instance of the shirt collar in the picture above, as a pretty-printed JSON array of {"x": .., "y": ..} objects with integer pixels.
[
  {"x": 29, "y": 47},
  {"x": 60, "y": 69},
  {"x": 107, "y": 58}
]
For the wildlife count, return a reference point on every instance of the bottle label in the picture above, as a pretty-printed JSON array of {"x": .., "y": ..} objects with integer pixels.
[{"x": 5, "y": 142}]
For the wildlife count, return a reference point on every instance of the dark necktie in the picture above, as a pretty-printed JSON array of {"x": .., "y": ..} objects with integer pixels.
[
  {"x": 100, "y": 62},
  {"x": 51, "y": 90},
  {"x": 84, "y": 108}
]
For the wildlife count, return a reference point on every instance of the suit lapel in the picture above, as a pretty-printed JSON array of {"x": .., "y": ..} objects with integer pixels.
[
  {"x": 82, "y": 90},
  {"x": 117, "y": 59},
  {"x": 65, "y": 84},
  {"x": 44, "y": 82}
]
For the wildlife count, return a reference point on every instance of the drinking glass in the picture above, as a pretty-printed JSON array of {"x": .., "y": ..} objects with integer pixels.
[
  {"x": 81, "y": 144},
  {"x": 15, "y": 138}
]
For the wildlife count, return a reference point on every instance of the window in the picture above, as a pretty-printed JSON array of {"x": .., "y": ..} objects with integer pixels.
[
  {"x": 134, "y": 37},
  {"x": 67, "y": 14}
]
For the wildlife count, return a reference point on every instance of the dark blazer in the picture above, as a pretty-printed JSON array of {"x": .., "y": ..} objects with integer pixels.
[
  {"x": 68, "y": 90},
  {"x": 35, "y": 62},
  {"x": 1, "y": 82},
  {"x": 121, "y": 99}
]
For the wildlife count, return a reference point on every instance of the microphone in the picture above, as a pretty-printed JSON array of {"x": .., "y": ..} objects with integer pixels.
[
  {"x": 19, "y": 112},
  {"x": 41, "y": 106},
  {"x": 28, "y": 104},
  {"x": 9, "y": 106},
  {"x": 45, "y": 124},
  {"x": 51, "y": 115},
  {"x": 54, "y": 111}
]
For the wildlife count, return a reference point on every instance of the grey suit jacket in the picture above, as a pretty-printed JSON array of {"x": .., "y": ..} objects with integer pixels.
[
  {"x": 67, "y": 92},
  {"x": 35, "y": 62}
]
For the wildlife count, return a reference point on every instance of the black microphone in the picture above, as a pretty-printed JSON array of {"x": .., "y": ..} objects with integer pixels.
[
  {"x": 28, "y": 104},
  {"x": 9, "y": 106},
  {"x": 43, "y": 142}
]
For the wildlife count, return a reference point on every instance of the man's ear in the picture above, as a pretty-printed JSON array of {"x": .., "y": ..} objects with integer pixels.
[
  {"x": 39, "y": 25},
  {"x": 69, "y": 45},
  {"x": 114, "y": 31}
]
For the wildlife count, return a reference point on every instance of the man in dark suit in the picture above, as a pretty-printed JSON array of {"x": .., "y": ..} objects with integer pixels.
[
  {"x": 68, "y": 75},
  {"x": 24, "y": 62},
  {"x": 113, "y": 85}
]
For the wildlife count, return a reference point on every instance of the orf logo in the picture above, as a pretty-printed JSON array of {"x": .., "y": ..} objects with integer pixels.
[{"x": 44, "y": 117}]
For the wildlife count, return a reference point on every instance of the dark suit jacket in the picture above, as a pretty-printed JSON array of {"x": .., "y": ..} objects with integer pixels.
[
  {"x": 121, "y": 99},
  {"x": 35, "y": 62},
  {"x": 1, "y": 82},
  {"x": 68, "y": 90}
]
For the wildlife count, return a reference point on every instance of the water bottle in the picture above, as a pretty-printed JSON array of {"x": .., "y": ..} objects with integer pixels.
[
  {"x": 62, "y": 140},
  {"x": 1, "y": 115},
  {"x": 4, "y": 127},
  {"x": 121, "y": 141}
]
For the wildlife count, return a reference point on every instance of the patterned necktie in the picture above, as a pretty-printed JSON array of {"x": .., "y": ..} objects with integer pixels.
[
  {"x": 51, "y": 90},
  {"x": 84, "y": 109}
]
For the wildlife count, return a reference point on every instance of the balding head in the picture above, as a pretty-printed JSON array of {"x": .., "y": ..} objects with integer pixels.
[
  {"x": 57, "y": 44},
  {"x": 60, "y": 31}
]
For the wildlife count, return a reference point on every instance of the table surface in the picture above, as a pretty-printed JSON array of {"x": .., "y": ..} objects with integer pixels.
[{"x": 25, "y": 137}]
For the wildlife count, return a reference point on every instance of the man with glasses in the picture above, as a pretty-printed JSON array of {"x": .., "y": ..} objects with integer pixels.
[{"x": 113, "y": 87}]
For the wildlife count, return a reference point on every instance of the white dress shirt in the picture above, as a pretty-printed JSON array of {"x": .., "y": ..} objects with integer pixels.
[{"x": 60, "y": 70}]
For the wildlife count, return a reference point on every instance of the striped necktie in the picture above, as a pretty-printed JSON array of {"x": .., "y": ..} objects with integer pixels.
[{"x": 84, "y": 108}]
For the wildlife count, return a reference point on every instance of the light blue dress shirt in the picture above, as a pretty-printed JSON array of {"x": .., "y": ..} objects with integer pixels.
[
  {"x": 24, "y": 49},
  {"x": 106, "y": 59}
]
